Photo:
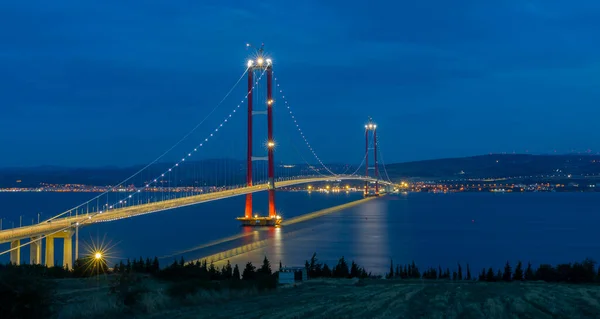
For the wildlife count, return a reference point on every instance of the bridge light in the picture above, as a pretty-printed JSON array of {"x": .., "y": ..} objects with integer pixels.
[
  {"x": 260, "y": 61},
  {"x": 98, "y": 255},
  {"x": 250, "y": 63},
  {"x": 269, "y": 61},
  {"x": 271, "y": 144},
  {"x": 269, "y": 102}
]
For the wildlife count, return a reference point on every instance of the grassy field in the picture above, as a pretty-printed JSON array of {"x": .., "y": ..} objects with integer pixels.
[{"x": 343, "y": 299}]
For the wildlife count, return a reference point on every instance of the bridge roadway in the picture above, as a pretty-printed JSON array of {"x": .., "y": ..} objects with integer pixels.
[{"x": 59, "y": 224}]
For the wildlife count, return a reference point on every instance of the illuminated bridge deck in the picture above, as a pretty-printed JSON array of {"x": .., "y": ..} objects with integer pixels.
[{"x": 59, "y": 224}]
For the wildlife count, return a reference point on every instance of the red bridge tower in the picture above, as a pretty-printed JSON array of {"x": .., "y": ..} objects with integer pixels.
[
  {"x": 261, "y": 64},
  {"x": 371, "y": 145}
]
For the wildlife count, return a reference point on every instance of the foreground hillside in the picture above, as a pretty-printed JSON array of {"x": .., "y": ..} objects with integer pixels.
[{"x": 370, "y": 298}]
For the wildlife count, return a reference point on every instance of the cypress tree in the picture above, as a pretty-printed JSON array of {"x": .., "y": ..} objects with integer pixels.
[
  {"x": 398, "y": 271},
  {"x": 518, "y": 275},
  {"x": 489, "y": 277},
  {"x": 460, "y": 277},
  {"x": 326, "y": 271},
  {"x": 507, "y": 275},
  {"x": 213, "y": 273},
  {"x": 447, "y": 274},
  {"x": 155, "y": 265},
  {"x": 249, "y": 272},
  {"x": 341, "y": 269},
  {"x": 454, "y": 275},
  {"x": 529, "y": 272},
  {"x": 468, "y": 272},
  {"x": 228, "y": 273},
  {"x": 265, "y": 269},
  {"x": 236, "y": 273},
  {"x": 499, "y": 275},
  {"x": 482, "y": 276},
  {"x": 148, "y": 266},
  {"x": 181, "y": 262},
  {"x": 390, "y": 275},
  {"x": 440, "y": 273}
]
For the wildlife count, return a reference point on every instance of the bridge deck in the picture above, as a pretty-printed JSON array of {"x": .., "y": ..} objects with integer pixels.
[{"x": 59, "y": 224}]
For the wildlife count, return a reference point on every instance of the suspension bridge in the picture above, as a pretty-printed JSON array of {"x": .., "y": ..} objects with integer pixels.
[{"x": 145, "y": 192}]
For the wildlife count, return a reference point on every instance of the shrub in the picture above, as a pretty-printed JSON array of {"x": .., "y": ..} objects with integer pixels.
[{"x": 25, "y": 296}]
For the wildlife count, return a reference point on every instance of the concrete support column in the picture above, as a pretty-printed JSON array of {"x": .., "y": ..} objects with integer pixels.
[
  {"x": 15, "y": 255},
  {"x": 68, "y": 251},
  {"x": 49, "y": 256},
  {"x": 35, "y": 250}
]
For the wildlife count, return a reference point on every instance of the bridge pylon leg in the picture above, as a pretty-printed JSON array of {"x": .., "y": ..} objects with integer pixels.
[
  {"x": 49, "y": 253},
  {"x": 271, "y": 143},
  {"x": 68, "y": 251},
  {"x": 15, "y": 255},
  {"x": 35, "y": 251},
  {"x": 248, "y": 209}
]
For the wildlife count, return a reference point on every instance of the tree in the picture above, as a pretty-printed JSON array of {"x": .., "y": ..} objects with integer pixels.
[
  {"x": 236, "y": 273},
  {"x": 440, "y": 273},
  {"x": 390, "y": 275},
  {"x": 265, "y": 269},
  {"x": 148, "y": 266},
  {"x": 326, "y": 271},
  {"x": 354, "y": 270},
  {"x": 489, "y": 276},
  {"x": 507, "y": 275},
  {"x": 454, "y": 275},
  {"x": 414, "y": 271},
  {"x": 249, "y": 272},
  {"x": 213, "y": 273},
  {"x": 459, "y": 272},
  {"x": 499, "y": 275},
  {"x": 228, "y": 271},
  {"x": 155, "y": 265},
  {"x": 529, "y": 272},
  {"x": 482, "y": 275},
  {"x": 128, "y": 265},
  {"x": 280, "y": 265},
  {"x": 468, "y": 272},
  {"x": 518, "y": 275},
  {"x": 181, "y": 262},
  {"x": 341, "y": 269}
]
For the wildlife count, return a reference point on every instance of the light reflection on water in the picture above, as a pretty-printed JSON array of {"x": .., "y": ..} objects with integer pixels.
[{"x": 432, "y": 229}]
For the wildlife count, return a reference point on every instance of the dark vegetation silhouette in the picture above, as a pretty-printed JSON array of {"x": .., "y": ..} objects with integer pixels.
[{"x": 28, "y": 290}]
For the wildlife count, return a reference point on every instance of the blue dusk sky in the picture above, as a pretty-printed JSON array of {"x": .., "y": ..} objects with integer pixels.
[{"x": 106, "y": 82}]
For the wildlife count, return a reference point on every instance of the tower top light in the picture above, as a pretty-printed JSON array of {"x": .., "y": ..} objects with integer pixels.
[
  {"x": 370, "y": 125},
  {"x": 259, "y": 60}
]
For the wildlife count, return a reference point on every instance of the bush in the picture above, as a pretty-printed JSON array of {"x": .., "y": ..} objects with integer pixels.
[
  {"x": 25, "y": 296},
  {"x": 128, "y": 288}
]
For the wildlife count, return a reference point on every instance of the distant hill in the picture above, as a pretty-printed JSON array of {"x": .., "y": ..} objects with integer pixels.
[
  {"x": 206, "y": 171},
  {"x": 197, "y": 173},
  {"x": 497, "y": 165}
]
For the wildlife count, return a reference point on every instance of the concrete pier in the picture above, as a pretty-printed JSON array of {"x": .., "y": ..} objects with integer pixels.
[
  {"x": 35, "y": 251},
  {"x": 15, "y": 255},
  {"x": 67, "y": 252}
]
